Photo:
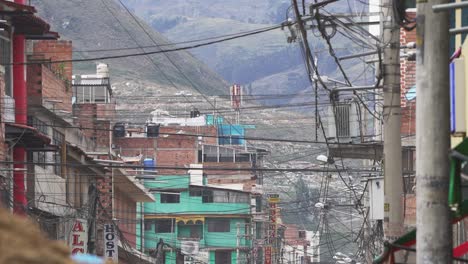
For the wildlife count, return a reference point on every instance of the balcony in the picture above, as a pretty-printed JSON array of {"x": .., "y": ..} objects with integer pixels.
[{"x": 48, "y": 89}]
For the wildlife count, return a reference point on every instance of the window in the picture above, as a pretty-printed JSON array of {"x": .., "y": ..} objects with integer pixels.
[
  {"x": 207, "y": 196},
  {"x": 219, "y": 225},
  {"x": 100, "y": 94},
  {"x": 302, "y": 234},
  {"x": 4, "y": 193},
  {"x": 170, "y": 198},
  {"x": 148, "y": 225},
  {"x": 58, "y": 163},
  {"x": 91, "y": 91},
  {"x": 195, "y": 192},
  {"x": 5, "y": 60},
  {"x": 258, "y": 204},
  {"x": 57, "y": 138},
  {"x": 164, "y": 225},
  {"x": 39, "y": 125},
  {"x": 39, "y": 158},
  {"x": 223, "y": 257},
  {"x": 190, "y": 231}
]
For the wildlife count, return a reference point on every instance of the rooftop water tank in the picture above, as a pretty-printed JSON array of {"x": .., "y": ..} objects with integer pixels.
[
  {"x": 152, "y": 130},
  {"x": 119, "y": 130},
  {"x": 149, "y": 164},
  {"x": 102, "y": 70}
]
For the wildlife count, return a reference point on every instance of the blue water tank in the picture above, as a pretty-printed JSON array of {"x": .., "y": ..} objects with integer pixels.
[{"x": 149, "y": 164}]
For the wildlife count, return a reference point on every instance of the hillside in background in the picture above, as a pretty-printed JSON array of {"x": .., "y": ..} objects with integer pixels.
[
  {"x": 262, "y": 63},
  {"x": 96, "y": 25}
]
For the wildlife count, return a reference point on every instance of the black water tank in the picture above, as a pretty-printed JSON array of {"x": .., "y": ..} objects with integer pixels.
[
  {"x": 194, "y": 113},
  {"x": 119, "y": 130},
  {"x": 152, "y": 130}
]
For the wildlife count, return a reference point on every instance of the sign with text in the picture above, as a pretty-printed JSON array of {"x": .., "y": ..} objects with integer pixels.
[
  {"x": 268, "y": 255},
  {"x": 111, "y": 246},
  {"x": 78, "y": 240}
]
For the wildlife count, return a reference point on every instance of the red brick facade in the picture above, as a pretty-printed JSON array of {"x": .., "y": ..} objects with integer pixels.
[
  {"x": 56, "y": 50},
  {"x": 407, "y": 80},
  {"x": 168, "y": 150},
  {"x": 95, "y": 120},
  {"x": 50, "y": 84},
  {"x": 125, "y": 210}
]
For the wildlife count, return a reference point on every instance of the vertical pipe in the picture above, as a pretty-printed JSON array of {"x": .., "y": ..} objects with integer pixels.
[
  {"x": 19, "y": 94},
  {"x": 433, "y": 221}
]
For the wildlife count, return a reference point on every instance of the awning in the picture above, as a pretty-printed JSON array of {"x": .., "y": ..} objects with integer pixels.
[
  {"x": 25, "y": 22},
  {"x": 190, "y": 220},
  {"x": 28, "y": 137},
  {"x": 132, "y": 187},
  {"x": 458, "y": 156}
]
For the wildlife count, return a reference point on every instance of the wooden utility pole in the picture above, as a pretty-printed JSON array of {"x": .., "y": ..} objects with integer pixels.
[
  {"x": 393, "y": 181},
  {"x": 434, "y": 235}
]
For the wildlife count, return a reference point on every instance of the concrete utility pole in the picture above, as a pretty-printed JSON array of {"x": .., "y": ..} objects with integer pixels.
[
  {"x": 434, "y": 235},
  {"x": 393, "y": 181}
]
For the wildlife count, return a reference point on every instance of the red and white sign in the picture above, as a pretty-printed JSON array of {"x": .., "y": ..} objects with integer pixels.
[
  {"x": 79, "y": 237},
  {"x": 236, "y": 96},
  {"x": 268, "y": 255}
]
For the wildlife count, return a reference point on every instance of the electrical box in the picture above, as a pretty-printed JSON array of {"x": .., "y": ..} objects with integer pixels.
[
  {"x": 457, "y": 97},
  {"x": 376, "y": 199}
]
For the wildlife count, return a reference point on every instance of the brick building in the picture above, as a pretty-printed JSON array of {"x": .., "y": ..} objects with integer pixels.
[
  {"x": 119, "y": 192},
  {"x": 408, "y": 86}
]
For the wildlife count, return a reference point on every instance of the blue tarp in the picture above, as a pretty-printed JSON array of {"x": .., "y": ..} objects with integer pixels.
[
  {"x": 411, "y": 93},
  {"x": 231, "y": 134}
]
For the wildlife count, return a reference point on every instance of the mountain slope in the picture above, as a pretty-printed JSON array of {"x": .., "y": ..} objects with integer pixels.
[
  {"x": 94, "y": 24},
  {"x": 265, "y": 62}
]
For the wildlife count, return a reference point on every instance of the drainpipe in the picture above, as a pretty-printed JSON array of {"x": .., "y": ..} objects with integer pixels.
[{"x": 19, "y": 92}]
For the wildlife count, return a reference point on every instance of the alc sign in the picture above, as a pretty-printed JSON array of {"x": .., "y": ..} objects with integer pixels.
[{"x": 79, "y": 237}]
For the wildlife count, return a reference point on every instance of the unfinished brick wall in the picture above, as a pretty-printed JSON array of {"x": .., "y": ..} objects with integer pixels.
[
  {"x": 90, "y": 118},
  {"x": 102, "y": 133},
  {"x": 130, "y": 147},
  {"x": 104, "y": 188},
  {"x": 50, "y": 84},
  {"x": 85, "y": 116},
  {"x": 168, "y": 150},
  {"x": 125, "y": 213},
  {"x": 56, "y": 50}
]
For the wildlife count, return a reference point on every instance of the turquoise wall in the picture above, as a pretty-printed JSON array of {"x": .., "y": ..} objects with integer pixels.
[
  {"x": 210, "y": 239},
  {"x": 168, "y": 182},
  {"x": 194, "y": 205}
]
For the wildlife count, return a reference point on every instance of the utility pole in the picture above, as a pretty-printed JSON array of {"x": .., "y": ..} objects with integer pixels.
[
  {"x": 160, "y": 252},
  {"x": 393, "y": 176},
  {"x": 434, "y": 235}
]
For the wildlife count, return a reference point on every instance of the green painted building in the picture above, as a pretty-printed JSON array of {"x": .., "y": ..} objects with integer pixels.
[{"x": 198, "y": 223}]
